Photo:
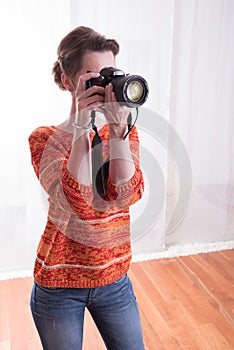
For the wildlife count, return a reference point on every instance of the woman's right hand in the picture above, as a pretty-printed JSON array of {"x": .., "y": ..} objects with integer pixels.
[{"x": 84, "y": 100}]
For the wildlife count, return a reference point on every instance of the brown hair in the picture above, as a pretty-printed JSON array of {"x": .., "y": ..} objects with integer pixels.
[{"x": 72, "y": 48}]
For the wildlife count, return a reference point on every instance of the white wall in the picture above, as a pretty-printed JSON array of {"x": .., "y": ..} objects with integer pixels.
[{"x": 29, "y": 34}]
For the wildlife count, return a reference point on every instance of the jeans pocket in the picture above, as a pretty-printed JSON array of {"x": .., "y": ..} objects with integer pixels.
[
  {"x": 121, "y": 279},
  {"x": 47, "y": 302}
]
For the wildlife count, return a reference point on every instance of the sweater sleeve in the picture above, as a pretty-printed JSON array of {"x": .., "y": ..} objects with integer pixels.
[{"x": 49, "y": 155}]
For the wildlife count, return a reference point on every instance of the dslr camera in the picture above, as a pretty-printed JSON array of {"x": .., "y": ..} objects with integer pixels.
[{"x": 130, "y": 90}]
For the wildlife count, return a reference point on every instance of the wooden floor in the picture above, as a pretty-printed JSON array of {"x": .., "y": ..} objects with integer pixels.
[{"x": 185, "y": 303}]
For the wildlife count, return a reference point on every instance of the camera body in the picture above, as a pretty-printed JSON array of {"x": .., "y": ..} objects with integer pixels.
[{"x": 130, "y": 90}]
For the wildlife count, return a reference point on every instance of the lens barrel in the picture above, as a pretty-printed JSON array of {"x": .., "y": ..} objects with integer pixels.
[{"x": 131, "y": 90}]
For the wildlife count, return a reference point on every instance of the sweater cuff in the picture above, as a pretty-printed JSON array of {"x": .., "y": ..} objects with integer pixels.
[
  {"x": 73, "y": 183},
  {"x": 124, "y": 190}
]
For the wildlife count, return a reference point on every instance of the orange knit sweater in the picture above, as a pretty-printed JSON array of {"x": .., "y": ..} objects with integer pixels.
[{"x": 86, "y": 241}]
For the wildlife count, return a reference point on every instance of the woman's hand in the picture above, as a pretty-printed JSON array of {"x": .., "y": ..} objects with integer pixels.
[
  {"x": 121, "y": 168},
  {"x": 84, "y": 100},
  {"x": 116, "y": 115},
  {"x": 79, "y": 164}
]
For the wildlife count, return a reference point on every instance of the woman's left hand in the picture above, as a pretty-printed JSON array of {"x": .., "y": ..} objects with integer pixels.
[{"x": 116, "y": 115}]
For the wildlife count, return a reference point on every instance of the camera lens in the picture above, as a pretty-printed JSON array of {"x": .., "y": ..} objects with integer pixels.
[
  {"x": 135, "y": 91},
  {"x": 130, "y": 90}
]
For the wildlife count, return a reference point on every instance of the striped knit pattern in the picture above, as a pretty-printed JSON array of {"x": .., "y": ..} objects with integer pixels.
[{"x": 86, "y": 241}]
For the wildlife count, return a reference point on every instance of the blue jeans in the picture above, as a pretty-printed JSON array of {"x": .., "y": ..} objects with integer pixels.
[{"x": 58, "y": 314}]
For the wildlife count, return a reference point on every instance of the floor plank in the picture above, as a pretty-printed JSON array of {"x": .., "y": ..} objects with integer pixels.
[{"x": 184, "y": 303}]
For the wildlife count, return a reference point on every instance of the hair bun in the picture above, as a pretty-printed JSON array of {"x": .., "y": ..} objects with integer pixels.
[{"x": 57, "y": 72}]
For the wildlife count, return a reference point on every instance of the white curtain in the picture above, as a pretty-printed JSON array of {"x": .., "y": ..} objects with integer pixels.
[
  {"x": 201, "y": 109},
  {"x": 185, "y": 51}
]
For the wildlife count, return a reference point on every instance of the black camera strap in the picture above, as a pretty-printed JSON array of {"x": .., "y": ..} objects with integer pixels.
[
  {"x": 99, "y": 171},
  {"x": 130, "y": 125}
]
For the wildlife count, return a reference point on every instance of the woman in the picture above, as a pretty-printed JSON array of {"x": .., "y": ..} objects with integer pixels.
[{"x": 84, "y": 253}]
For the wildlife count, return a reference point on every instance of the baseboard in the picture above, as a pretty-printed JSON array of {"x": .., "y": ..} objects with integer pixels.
[
  {"x": 168, "y": 252},
  {"x": 184, "y": 250},
  {"x": 8, "y": 275}
]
